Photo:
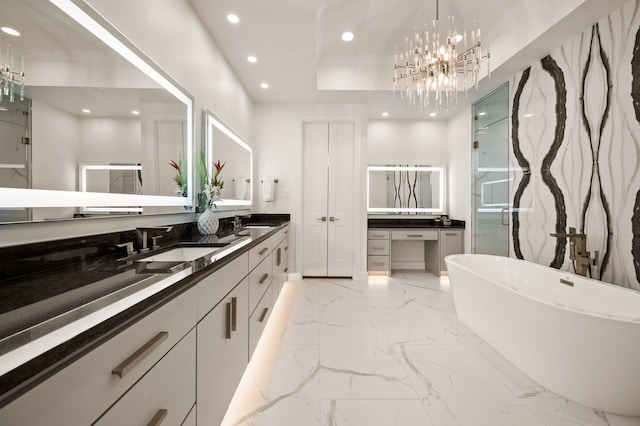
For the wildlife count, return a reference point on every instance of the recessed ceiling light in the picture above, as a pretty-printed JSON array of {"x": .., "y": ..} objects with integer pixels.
[
  {"x": 252, "y": 59},
  {"x": 86, "y": 111},
  {"x": 482, "y": 113},
  {"x": 264, "y": 85},
  {"x": 134, "y": 112},
  {"x": 385, "y": 114},
  {"x": 433, "y": 114},
  {"x": 347, "y": 36},
  {"x": 233, "y": 18},
  {"x": 528, "y": 115},
  {"x": 10, "y": 31}
]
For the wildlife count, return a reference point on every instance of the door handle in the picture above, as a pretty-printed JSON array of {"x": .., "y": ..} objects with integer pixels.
[
  {"x": 332, "y": 219},
  {"x": 323, "y": 218},
  {"x": 502, "y": 216}
]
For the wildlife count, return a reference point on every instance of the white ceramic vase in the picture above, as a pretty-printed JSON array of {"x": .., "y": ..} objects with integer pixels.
[{"x": 208, "y": 222}]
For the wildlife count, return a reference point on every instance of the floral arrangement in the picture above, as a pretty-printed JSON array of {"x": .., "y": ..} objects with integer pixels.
[
  {"x": 210, "y": 187},
  {"x": 180, "y": 178}
]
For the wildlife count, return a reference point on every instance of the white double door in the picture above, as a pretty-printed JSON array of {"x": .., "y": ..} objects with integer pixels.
[{"x": 327, "y": 240}]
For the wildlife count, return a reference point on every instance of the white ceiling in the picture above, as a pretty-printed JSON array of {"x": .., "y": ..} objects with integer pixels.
[{"x": 301, "y": 56}]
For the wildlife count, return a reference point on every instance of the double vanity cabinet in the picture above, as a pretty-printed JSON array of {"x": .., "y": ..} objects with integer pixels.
[
  {"x": 178, "y": 363},
  {"x": 389, "y": 239}
]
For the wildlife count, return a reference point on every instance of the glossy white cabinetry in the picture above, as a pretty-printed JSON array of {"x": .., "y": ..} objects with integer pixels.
[
  {"x": 378, "y": 250},
  {"x": 260, "y": 281},
  {"x": 81, "y": 392},
  {"x": 451, "y": 242},
  {"x": 223, "y": 336},
  {"x": 164, "y": 395},
  {"x": 179, "y": 365},
  {"x": 412, "y": 248},
  {"x": 258, "y": 320}
]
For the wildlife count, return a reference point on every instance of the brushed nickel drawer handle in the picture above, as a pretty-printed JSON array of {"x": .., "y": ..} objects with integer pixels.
[
  {"x": 234, "y": 316},
  {"x": 450, "y": 234},
  {"x": 378, "y": 235},
  {"x": 378, "y": 247},
  {"x": 159, "y": 417},
  {"x": 264, "y": 314},
  {"x": 263, "y": 279},
  {"x": 263, "y": 251},
  {"x": 566, "y": 282},
  {"x": 414, "y": 235},
  {"x": 286, "y": 269},
  {"x": 286, "y": 248},
  {"x": 135, "y": 358},
  {"x": 229, "y": 320},
  {"x": 378, "y": 263}
]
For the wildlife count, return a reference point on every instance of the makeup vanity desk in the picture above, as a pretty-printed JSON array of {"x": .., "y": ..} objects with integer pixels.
[{"x": 412, "y": 243}]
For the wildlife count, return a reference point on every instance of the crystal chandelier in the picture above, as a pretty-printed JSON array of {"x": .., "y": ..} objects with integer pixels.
[
  {"x": 430, "y": 69},
  {"x": 10, "y": 80}
]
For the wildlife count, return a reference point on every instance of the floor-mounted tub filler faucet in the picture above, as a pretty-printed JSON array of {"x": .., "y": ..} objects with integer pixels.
[{"x": 583, "y": 263}]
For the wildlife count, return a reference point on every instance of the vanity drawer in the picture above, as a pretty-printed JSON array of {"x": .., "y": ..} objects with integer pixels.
[
  {"x": 259, "y": 280},
  {"x": 258, "y": 320},
  {"x": 414, "y": 234},
  {"x": 378, "y": 247},
  {"x": 378, "y": 234},
  {"x": 215, "y": 287},
  {"x": 377, "y": 263},
  {"x": 165, "y": 394},
  {"x": 81, "y": 392},
  {"x": 260, "y": 252}
]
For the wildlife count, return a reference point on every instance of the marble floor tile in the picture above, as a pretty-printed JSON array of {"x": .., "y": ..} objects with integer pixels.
[
  {"x": 388, "y": 351},
  {"x": 399, "y": 412}
]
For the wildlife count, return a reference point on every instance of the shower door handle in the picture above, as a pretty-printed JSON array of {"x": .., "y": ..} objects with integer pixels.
[{"x": 506, "y": 209}]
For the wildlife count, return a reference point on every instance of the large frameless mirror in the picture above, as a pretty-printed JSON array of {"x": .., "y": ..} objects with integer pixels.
[
  {"x": 225, "y": 147},
  {"x": 406, "y": 189},
  {"x": 98, "y": 125}
]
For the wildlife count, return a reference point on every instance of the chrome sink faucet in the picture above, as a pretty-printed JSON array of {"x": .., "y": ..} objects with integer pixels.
[
  {"x": 142, "y": 235},
  {"x": 583, "y": 263}
]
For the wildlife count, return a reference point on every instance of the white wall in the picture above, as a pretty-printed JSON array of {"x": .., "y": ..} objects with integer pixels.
[
  {"x": 459, "y": 139},
  {"x": 278, "y": 152},
  {"x": 407, "y": 142}
]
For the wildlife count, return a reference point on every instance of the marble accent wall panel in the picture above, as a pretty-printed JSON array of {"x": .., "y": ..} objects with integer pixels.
[{"x": 575, "y": 149}]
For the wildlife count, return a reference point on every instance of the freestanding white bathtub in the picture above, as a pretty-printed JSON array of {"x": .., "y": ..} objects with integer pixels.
[{"x": 578, "y": 337}]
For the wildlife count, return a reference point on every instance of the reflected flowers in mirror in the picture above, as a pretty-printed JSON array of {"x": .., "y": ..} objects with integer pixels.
[{"x": 180, "y": 178}]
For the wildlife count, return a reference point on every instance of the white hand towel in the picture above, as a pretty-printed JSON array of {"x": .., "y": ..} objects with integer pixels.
[
  {"x": 269, "y": 190},
  {"x": 241, "y": 187}
]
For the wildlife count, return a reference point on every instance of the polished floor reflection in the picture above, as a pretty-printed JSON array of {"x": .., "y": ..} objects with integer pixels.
[{"x": 387, "y": 351}]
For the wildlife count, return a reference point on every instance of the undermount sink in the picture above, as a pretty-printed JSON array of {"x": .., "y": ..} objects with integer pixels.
[
  {"x": 180, "y": 254},
  {"x": 257, "y": 226}
]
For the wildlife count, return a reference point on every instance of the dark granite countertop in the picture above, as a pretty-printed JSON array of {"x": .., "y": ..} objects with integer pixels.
[
  {"x": 29, "y": 300},
  {"x": 403, "y": 222}
]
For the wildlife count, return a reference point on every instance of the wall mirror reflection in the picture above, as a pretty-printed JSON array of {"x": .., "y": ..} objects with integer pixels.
[
  {"x": 87, "y": 112},
  {"x": 225, "y": 146},
  {"x": 406, "y": 189}
]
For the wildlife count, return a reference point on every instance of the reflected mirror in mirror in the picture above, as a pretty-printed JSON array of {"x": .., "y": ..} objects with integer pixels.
[
  {"x": 406, "y": 189},
  {"x": 223, "y": 145},
  {"x": 85, "y": 106}
]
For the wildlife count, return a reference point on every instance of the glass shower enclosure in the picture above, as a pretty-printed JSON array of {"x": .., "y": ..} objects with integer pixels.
[{"x": 490, "y": 186}]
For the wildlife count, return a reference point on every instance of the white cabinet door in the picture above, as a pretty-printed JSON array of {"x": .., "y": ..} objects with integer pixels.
[
  {"x": 328, "y": 199},
  {"x": 222, "y": 354},
  {"x": 316, "y": 171},
  {"x": 340, "y": 238},
  {"x": 164, "y": 395}
]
